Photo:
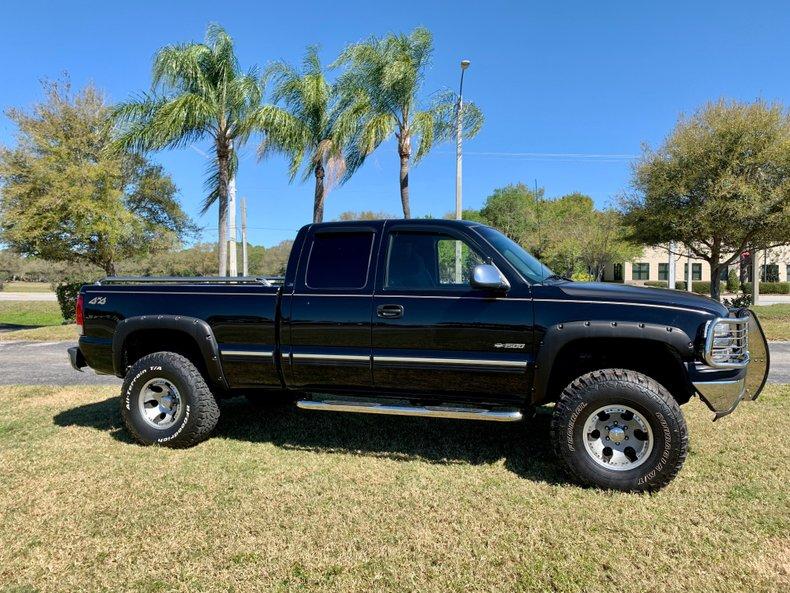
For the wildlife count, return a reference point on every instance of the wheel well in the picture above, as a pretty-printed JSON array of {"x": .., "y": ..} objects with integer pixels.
[
  {"x": 147, "y": 341},
  {"x": 655, "y": 359}
]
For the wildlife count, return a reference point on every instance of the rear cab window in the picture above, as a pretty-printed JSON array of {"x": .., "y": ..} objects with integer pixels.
[{"x": 339, "y": 260}]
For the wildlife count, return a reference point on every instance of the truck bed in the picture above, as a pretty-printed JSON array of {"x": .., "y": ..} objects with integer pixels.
[{"x": 243, "y": 320}]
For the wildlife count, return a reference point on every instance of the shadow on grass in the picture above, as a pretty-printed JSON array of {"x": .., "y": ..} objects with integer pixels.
[
  {"x": 525, "y": 447},
  {"x": 11, "y": 327}
]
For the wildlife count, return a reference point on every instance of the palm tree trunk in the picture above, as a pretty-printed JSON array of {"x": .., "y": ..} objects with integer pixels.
[
  {"x": 320, "y": 194},
  {"x": 223, "y": 163},
  {"x": 404, "y": 152}
]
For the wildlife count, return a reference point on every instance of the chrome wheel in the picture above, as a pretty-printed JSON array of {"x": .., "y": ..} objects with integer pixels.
[
  {"x": 618, "y": 437},
  {"x": 160, "y": 404}
]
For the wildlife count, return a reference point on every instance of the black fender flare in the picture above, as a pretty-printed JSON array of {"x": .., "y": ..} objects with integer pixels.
[
  {"x": 560, "y": 335},
  {"x": 197, "y": 329}
]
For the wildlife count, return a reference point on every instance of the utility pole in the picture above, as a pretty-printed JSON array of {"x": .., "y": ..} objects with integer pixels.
[
  {"x": 232, "y": 265},
  {"x": 459, "y": 167},
  {"x": 671, "y": 269},
  {"x": 244, "y": 263}
]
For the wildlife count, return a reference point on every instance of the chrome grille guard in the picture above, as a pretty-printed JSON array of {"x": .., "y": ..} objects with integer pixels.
[{"x": 727, "y": 342}]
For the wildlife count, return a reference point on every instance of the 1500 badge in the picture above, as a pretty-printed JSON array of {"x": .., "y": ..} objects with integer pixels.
[{"x": 509, "y": 346}]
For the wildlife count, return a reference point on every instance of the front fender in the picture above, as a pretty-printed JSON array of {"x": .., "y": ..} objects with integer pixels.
[{"x": 562, "y": 334}]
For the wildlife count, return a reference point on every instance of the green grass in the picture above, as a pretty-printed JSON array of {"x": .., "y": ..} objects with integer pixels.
[
  {"x": 27, "y": 287},
  {"x": 33, "y": 313},
  {"x": 302, "y": 501},
  {"x": 775, "y": 320}
]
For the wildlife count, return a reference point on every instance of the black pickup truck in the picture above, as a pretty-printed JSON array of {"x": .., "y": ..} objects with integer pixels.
[{"x": 435, "y": 318}]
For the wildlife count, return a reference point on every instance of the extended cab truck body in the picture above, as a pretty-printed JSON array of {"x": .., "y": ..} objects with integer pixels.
[{"x": 428, "y": 318}]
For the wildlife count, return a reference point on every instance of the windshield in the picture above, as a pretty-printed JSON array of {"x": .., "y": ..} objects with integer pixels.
[{"x": 527, "y": 265}]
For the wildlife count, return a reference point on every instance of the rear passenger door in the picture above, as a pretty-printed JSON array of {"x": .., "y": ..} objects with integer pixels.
[{"x": 327, "y": 326}]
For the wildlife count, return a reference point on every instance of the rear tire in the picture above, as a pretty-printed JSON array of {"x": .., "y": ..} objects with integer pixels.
[
  {"x": 620, "y": 430},
  {"x": 165, "y": 401}
]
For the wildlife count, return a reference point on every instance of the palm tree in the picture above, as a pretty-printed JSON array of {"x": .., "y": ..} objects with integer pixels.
[
  {"x": 307, "y": 127},
  {"x": 198, "y": 91},
  {"x": 380, "y": 85}
]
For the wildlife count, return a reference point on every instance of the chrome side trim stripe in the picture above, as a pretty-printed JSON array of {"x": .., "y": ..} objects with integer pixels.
[
  {"x": 460, "y": 413},
  {"x": 518, "y": 364},
  {"x": 338, "y": 357},
  {"x": 251, "y": 353},
  {"x": 456, "y": 361}
]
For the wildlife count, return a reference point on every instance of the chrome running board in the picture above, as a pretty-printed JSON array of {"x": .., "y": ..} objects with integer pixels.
[{"x": 460, "y": 413}]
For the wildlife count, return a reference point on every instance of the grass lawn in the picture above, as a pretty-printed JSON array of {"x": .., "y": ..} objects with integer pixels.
[
  {"x": 775, "y": 320},
  {"x": 36, "y": 313},
  {"x": 301, "y": 501},
  {"x": 27, "y": 287}
]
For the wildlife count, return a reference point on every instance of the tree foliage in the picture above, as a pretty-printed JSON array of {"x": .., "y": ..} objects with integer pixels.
[
  {"x": 379, "y": 93},
  {"x": 198, "y": 91},
  {"x": 310, "y": 128},
  {"x": 720, "y": 184},
  {"x": 568, "y": 234},
  {"x": 364, "y": 215},
  {"x": 67, "y": 197}
]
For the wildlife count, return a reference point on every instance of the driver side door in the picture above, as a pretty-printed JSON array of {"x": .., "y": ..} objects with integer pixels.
[{"x": 434, "y": 333}]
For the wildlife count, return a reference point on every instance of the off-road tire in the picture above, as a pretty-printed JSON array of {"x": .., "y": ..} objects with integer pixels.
[
  {"x": 620, "y": 387},
  {"x": 200, "y": 413}
]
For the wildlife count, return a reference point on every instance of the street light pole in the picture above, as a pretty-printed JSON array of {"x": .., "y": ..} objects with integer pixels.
[{"x": 459, "y": 167}]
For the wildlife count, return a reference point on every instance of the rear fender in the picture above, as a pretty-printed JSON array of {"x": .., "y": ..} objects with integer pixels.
[{"x": 197, "y": 329}]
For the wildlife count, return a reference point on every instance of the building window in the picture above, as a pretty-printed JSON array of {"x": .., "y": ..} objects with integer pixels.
[
  {"x": 769, "y": 273},
  {"x": 618, "y": 272},
  {"x": 640, "y": 271},
  {"x": 696, "y": 272},
  {"x": 663, "y": 271}
]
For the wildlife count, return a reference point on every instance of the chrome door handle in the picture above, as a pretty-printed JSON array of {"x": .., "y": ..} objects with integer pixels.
[{"x": 389, "y": 311}]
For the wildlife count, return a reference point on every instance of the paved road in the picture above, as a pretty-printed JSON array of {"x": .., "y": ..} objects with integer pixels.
[
  {"x": 28, "y": 296},
  {"x": 46, "y": 363}
]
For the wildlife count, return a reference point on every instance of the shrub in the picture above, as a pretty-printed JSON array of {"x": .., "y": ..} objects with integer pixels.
[
  {"x": 733, "y": 282},
  {"x": 657, "y": 283},
  {"x": 67, "y": 298},
  {"x": 741, "y": 300},
  {"x": 768, "y": 287}
]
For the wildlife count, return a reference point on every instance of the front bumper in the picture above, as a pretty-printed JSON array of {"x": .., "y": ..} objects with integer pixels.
[
  {"x": 722, "y": 391},
  {"x": 76, "y": 359}
]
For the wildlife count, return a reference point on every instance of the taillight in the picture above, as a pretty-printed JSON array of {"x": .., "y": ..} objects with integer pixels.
[{"x": 80, "y": 314}]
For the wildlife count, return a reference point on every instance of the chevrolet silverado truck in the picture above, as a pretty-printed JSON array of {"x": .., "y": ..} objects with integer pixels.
[{"x": 447, "y": 319}]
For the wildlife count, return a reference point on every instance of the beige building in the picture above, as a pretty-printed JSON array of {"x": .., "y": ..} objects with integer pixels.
[{"x": 655, "y": 261}]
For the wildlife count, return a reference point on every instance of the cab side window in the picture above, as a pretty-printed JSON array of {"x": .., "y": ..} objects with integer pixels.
[
  {"x": 428, "y": 261},
  {"x": 339, "y": 260}
]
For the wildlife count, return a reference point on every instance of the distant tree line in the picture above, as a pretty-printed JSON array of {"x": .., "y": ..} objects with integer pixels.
[
  {"x": 568, "y": 233},
  {"x": 197, "y": 260}
]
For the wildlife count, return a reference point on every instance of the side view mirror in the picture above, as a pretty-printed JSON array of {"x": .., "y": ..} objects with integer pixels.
[{"x": 488, "y": 277}]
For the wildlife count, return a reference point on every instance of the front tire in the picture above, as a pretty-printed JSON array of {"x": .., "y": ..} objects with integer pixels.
[
  {"x": 165, "y": 401},
  {"x": 620, "y": 430}
]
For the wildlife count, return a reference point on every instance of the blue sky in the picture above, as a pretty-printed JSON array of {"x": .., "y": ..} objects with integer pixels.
[{"x": 570, "y": 89}]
